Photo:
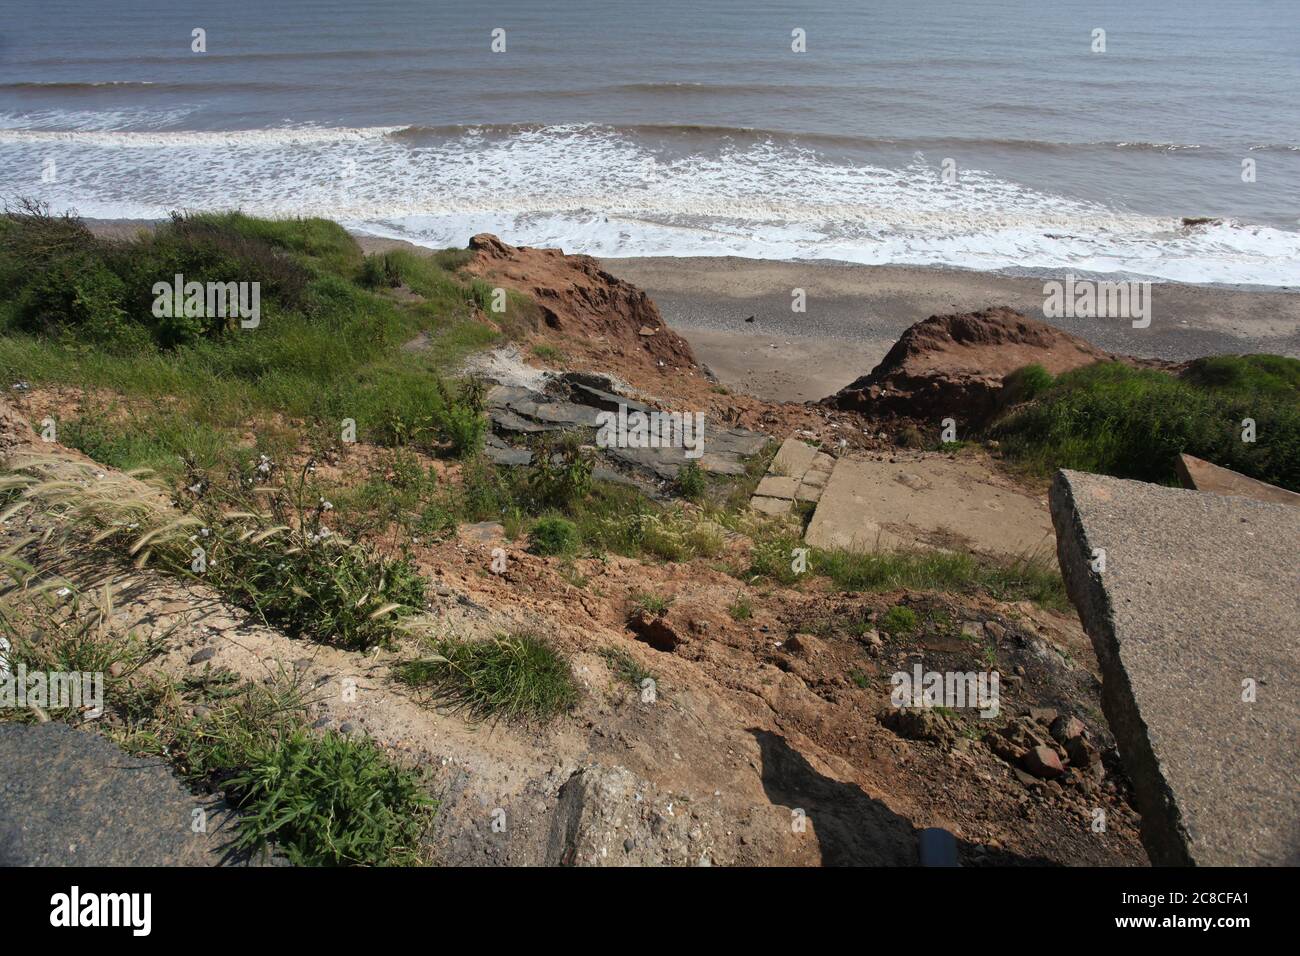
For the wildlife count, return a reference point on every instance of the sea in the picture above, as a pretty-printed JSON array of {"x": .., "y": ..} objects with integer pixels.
[{"x": 1154, "y": 139}]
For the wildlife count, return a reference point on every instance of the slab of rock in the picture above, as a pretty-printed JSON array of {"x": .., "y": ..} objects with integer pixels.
[
  {"x": 875, "y": 505},
  {"x": 73, "y": 798},
  {"x": 1197, "y": 607},
  {"x": 1204, "y": 476}
]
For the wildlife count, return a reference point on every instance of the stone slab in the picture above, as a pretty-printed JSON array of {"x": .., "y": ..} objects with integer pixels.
[
  {"x": 1200, "y": 593},
  {"x": 770, "y": 506},
  {"x": 777, "y": 486},
  {"x": 870, "y": 505},
  {"x": 793, "y": 458},
  {"x": 1206, "y": 476}
]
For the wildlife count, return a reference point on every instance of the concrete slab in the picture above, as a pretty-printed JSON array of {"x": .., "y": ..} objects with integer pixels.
[
  {"x": 1206, "y": 476},
  {"x": 793, "y": 458},
  {"x": 771, "y": 506},
  {"x": 807, "y": 492},
  {"x": 927, "y": 502},
  {"x": 1198, "y": 602},
  {"x": 777, "y": 486},
  {"x": 73, "y": 798}
]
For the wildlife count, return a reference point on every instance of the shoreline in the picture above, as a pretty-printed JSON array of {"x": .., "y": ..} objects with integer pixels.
[{"x": 854, "y": 313}]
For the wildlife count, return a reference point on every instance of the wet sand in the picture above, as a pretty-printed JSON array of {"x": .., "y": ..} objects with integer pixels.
[{"x": 737, "y": 315}]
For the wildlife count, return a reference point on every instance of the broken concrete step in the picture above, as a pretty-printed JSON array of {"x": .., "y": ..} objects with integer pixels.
[
  {"x": 1190, "y": 600},
  {"x": 771, "y": 506}
]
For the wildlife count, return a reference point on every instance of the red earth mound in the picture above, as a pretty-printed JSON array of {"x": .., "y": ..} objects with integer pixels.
[
  {"x": 582, "y": 306},
  {"x": 954, "y": 366}
]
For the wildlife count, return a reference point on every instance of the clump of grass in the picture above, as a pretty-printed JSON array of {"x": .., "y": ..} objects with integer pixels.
[
  {"x": 860, "y": 679},
  {"x": 49, "y": 626},
  {"x": 1133, "y": 423},
  {"x": 1032, "y": 577},
  {"x": 741, "y": 609},
  {"x": 549, "y": 353},
  {"x": 899, "y": 621},
  {"x": 690, "y": 482},
  {"x": 626, "y": 668},
  {"x": 652, "y": 604},
  {"x": 288, "y": 566},
  {"x": 511, "y": 677},
  {"x": 553, "y": 535},
  {"x": 1025, "y": 384},
  {"x": 329, "y": 800}
]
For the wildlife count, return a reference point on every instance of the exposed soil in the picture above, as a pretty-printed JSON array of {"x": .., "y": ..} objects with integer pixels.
[{"x": 760, "y": 723}]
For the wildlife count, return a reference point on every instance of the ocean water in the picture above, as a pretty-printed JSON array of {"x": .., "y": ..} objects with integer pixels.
[{"x": 688, "y": 128}]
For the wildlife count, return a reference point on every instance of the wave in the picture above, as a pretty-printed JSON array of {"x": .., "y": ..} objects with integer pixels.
[
  {"x": 153, "y": 86},
  {"x": 721, "y": 134},
  {"x": 615, "y": 191}
]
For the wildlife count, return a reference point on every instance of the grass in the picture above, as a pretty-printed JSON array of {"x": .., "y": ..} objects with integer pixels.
[
  {"x": 1030, "y": 577},
  {"x": 1115, "y": 420},
  {"x": 899, "y": 621},
  {"x": 49, "y": 626},
  {"x": 320, "y": 799},
  {"x": 627, "y": 668},
  {"x": 76, "y": 310},
  {"x": 549, "y": 353},
  {"x": 511, "y": 677},
  {"x": 553, "y": 536},
  {"x": 285, "y": 564},
  {"x": 328, "y": 800},
  {"x": 652, "y": 604},
  {"x": 741, "y": 609}
]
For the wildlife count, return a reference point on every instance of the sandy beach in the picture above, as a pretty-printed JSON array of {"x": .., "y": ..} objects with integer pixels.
[{"x": 737, "y": 315}]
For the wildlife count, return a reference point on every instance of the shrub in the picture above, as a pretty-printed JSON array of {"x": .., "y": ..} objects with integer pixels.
[
  {"x": 553, "y": 535},
  {"x": 560, "y": 476},
  {"x": 690, "y": 481}
]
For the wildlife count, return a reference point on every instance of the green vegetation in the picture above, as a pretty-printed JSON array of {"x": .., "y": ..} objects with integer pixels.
[
  {"x": 48, "y": 626},
  {"x": 1113, "y": 419},
  {"x": 286, "y": 564},
  {"x": 626, "y": 668},
  {"x": 691, "y": 483},
  {"x": 322, "y": 800},
  {"x": 328, "y": 800},
  {"x": 1027, "y": 578},
  {"x": 78, "y": 310},
  {"x": 1025, "y": 384},
  {"x": 549, "y": 353},
  {"x": 899, "y": 621},
  {"x": 553, "y": 535},
  {"x": 740, "y": 609},
  {"x": 652, "y": 604},
  {"x": 512, "y": 676}
]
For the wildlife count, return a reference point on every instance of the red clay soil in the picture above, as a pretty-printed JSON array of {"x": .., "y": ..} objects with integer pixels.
[{"x": 954, "y": 365}]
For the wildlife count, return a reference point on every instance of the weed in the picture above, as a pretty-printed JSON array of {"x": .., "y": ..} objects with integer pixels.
[{"x": 514, "y": 676}]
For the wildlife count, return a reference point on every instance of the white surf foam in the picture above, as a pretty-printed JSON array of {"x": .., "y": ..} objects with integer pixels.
[{"x": 609, "y": 193}]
